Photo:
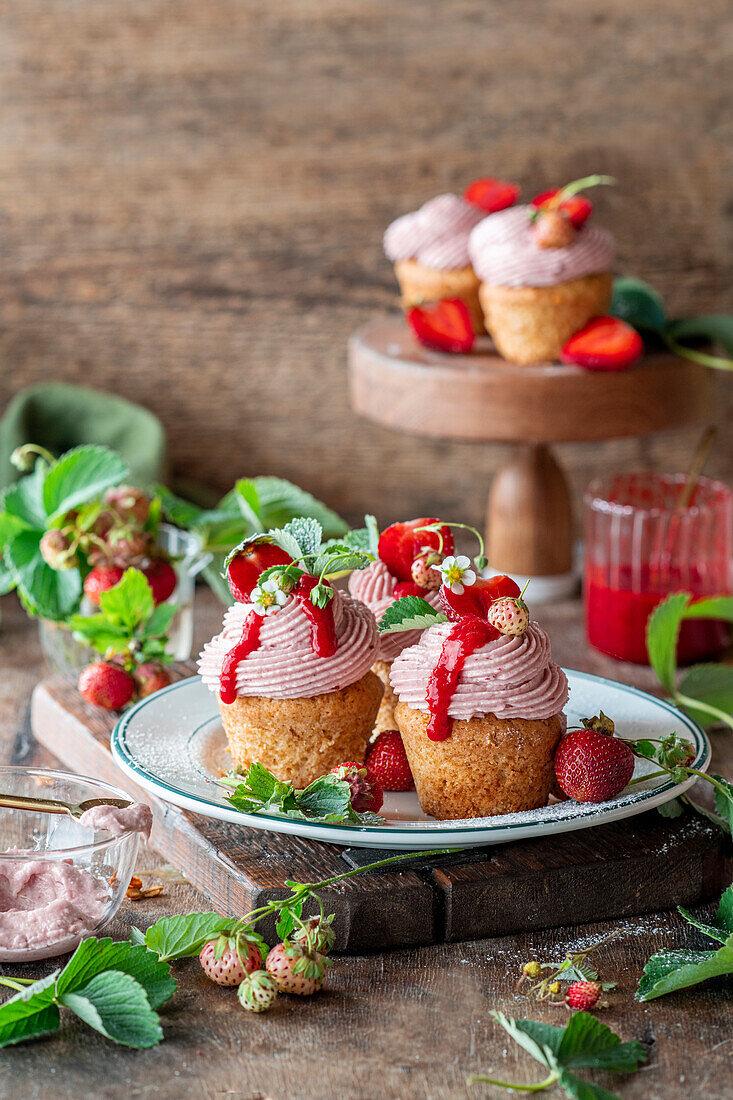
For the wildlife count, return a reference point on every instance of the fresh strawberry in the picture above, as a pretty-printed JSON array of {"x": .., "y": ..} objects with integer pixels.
[
  {"x": 605, "y": 343},
  {"x": 246, "y": 565},
  {"x": 509, "y": 615},
  {"x": 258, "y": 991},
  {"x": 56, "y": 551},
  {"x": 577, "y": 208},
  {"x": 387, "y": 764},
  {"x": 582, "y": 995},
  {"x": 126, "y": 547},
  {"x": 491, "y": 195},
  {"x": 151, "y": 677},
  {"x": 591, "y": 764},
  {"x": 161, "y": 576},
  {"x": 477, "y": 598},
  {"x": 130, "y": 504},
  {"x": 106, "y": 685},
  {"x": 400, "y": 544},
  {"x": 554, "y": 230},
  {"x": 408, "y": 588},
  {"x": 444, "y": 325},
  {"x": 320, "y": 933},
  {"x": 237, "y": 957},
  {"x": 366, "y": 793},
  {"x": 296, "y": 969},
  {"x": 100, "y": 580},
  {"x": 424, "y": 575}
]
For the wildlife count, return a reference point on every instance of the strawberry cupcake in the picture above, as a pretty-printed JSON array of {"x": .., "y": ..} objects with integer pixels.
[
  {"x": 429, "y": 250},
  {"x": 480, "y": 704},
  {"x": 291, "y": 667},
  {"x": 404, "y": 556},
  {"x": 544, "y": 272}
]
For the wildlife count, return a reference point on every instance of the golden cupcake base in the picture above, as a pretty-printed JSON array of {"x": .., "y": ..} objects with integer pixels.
[
  {"x": 427, "y": 284},
  {"x": 300, "y": 739},
  {"x": 487, "y": 766},
  {"x": 530, "y": 324}
]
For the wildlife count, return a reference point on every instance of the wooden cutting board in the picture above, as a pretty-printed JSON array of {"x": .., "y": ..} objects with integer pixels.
[{"x": 640, "y": 865}]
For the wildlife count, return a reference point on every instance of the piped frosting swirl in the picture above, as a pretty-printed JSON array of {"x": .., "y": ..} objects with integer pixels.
[
  {"x": 284, "y": 666},
  {"x": 436, "y": 235},
  {"x": 504, "y": 252},
  {"x": 511, "y": 677},
  {"x": 374, "y": 586}
]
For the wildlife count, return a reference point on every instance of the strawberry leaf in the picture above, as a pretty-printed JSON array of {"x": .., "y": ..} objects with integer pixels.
[
  {"x": 711, "y": 684},
  {"x": 78, "y": 476},
  {"x": 116, "y": 1006},
  {"x": 130, "y": 602},
  {"x": 93, "y": 957},
  {"x": 714, "y": 329},
  {"x": 181, "y": 937},
  {"x": 49, "y": 593},
  {"x": 275, "y": 501},
  {"x": 409, "y": 613},
  {"x": 30, "y": 1013},
  {"x": 637, "y": 303},
  {"x": 668, "y": 971},
  {"x": 724, "y": 915},
  {"x": 24, "y": 500},
  {"x": 662, "y": 634}
]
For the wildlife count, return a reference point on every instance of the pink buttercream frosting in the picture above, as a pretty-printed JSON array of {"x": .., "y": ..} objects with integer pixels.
[
  {"x": 137, "y": 817},
  {"x": 511, "y": 676},
  {"x": 46, "y": 906},
  {"x": 504, "y": 252},
  {"x": 436, "y": 235},
  {"x": 374, "y": 586},
  {"x": 284, "y": 665}
]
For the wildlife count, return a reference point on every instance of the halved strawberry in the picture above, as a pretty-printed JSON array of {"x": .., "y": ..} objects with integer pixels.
[
  {"x": 576, "y": 208},
  {"x": 491, "y": 195},
  {"x": 401, "y": 543},
  {"x": 477, "y": 598},
  {"x": 444, "y": 325},
  {"x": 605, "y": 343}
]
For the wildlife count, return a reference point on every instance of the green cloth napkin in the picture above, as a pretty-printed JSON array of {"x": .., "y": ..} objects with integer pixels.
[{"x": 58, "y": 417}]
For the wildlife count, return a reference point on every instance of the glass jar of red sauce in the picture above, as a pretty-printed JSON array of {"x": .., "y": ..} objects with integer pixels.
[{"x": 640, "y": 546}]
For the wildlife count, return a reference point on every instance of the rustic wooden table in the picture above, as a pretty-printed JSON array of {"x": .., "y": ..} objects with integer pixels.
[{"x": 409, "y": 1023}]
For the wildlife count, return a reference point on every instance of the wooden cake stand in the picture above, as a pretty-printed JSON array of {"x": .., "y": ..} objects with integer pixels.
[{"x": 398, "y": 383}]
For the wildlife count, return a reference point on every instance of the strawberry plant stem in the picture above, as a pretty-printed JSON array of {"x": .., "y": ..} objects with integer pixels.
[
  {"x": 475, "y": 1079},
  {"x": 708, "y": 708},
  {"x": 700, "y": 357}
]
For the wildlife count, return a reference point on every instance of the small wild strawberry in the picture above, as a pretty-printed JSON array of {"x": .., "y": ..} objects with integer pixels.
[
  {"x": 366, "y": 792},
  {"x": 258, "y": 991},
  {"x": 228, "y": 959},
  {"x": 56, "y": 550},
  {"x": 509, "y": 615},
  {"x": 423, "y": 573},
  {"x": 319, "y": 932},
  {"x": 582, "y": 995},
  {"x": 130, "y": 504},
  {"x": 296, "y": 969}
]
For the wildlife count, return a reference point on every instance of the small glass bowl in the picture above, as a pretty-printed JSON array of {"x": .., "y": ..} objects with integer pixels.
[{"x": 58, "y": 838}]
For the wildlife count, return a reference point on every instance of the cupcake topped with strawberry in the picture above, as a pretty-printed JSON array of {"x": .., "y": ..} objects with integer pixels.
[
  {"x": 291, "y": 665},
  {"x": 544, "y": 271},
  {"x": 480, "y": 701}
]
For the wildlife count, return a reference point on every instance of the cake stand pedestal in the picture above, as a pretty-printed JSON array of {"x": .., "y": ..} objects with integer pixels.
[{"x": 400, "y": 384}]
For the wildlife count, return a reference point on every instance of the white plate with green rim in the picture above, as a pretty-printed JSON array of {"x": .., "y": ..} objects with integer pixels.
[{"x": 173, "y": 745}]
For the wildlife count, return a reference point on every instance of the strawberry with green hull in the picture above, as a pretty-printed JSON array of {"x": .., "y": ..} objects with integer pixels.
[
  {"x": 227, "y": 960},
  {"x": 258, "y": 991},
  {"x": 297, "y": 968}
]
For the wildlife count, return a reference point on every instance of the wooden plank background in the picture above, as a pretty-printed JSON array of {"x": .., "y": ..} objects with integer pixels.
[{"x": 192, "y": 198}]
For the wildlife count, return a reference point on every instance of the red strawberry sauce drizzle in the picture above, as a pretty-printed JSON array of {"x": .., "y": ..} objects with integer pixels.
[
  {"x": 249, "y": 641},
  {"x": 323, "y": 636},
  {"x": 468, "y": 635},
  {"x": 323, "y": 628}
]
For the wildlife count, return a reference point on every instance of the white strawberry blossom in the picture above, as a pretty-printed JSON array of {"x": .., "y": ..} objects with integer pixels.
[
  {"x": 457, "y": 573},
  {"x": 268, "y": 597}
]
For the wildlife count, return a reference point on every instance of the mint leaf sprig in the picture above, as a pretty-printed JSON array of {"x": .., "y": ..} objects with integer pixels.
[
  {"x": 667, "y": 971},
  {"x": 128, "y": 624},
  {"x": 302, "y": 539},
  {"x": 584, "y": 1043},
  {"x": 115, "y": 988},
  {"x": 327, "y": 800},
  {"x": 705, "y": 691}
]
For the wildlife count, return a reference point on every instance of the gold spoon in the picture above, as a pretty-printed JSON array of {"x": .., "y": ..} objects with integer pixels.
[{"x": 56, "y": 806}]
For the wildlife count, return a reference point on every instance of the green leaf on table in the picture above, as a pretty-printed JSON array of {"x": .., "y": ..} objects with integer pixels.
[
  {"x": 711, "y": 684},
  {"x": 724, "y": 915},
  {"x": 724, "y": 801},
  {"x": 80, "y": 475},
  {"x": 711, "y": 930},
  {"x": 130, "y": 602},
  {"x": 668, "y": 971},
  {"x": 30, "y": 1013},
  {"x": 93, "y": 957},
  {"x": 585, "y": 1043},
  {"x": 674, "y": 808},
  {"x": 50, "y": 593},
  {"x": 116, "y": 1006},
  {"x": 409, "y": 613},
  {"x": 662, "y": 634},
  {"x": 714, "y": 329},
  {"x": 637, "y": 303},
  {"x": 181, "y": 937}
]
